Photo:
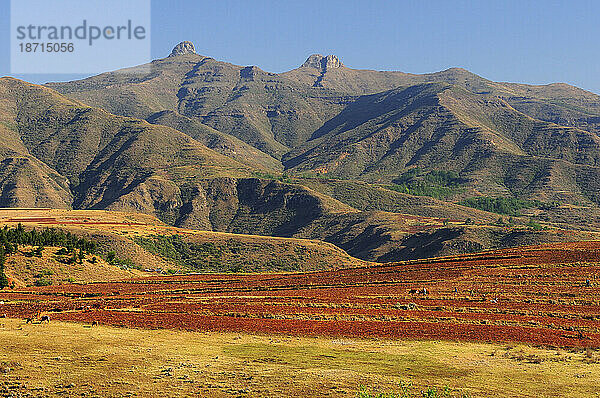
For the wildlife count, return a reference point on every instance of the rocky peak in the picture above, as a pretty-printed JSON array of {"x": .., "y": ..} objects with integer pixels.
[
  {"x": 185, "y": 47},
  {"x": 319, "y": 61}
]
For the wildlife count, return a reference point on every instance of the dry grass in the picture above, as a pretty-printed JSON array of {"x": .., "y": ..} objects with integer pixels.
[
  {"x": 69, "y": 359},
  {"x": 25, "y": 270}
]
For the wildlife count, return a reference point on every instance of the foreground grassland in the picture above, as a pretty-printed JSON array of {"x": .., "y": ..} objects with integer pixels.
[{"x": 68, "y": 359}]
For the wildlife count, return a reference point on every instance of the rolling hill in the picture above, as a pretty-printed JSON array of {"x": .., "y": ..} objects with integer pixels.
[
  {"x": 85, "y": 157},
  {"x": 142, "y": 245}
]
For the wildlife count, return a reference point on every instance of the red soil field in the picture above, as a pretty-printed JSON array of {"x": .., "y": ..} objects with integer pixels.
[{"x": 542, "y": 295}]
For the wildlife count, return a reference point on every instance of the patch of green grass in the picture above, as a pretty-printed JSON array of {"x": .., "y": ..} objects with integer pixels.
[
  {"x": 438, "y": 184},
  {"x": 43, "y": 281},
  {"x": 534, "y": 225},
  {"x": 503, "y": 205},
  {"x": 45, "y": 272},
  {"x": 111, "y": 258},
  {"x": 313, "y": 357}
]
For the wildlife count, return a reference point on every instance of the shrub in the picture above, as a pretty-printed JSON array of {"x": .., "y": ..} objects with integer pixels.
[
  {"x": 45, "y": 272},
  {"x": 534, "y": 225},
  {"x": 191, "y": 255},
  {"x": 112, "y": 259},
  {"x": 43, "y": 281},
  {"x": 37, "y": 252},
  {"x": 3, "y": 278}
]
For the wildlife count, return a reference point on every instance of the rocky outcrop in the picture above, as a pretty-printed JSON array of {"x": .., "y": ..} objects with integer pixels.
[
  {"x": 323, "y": 63},
  {"x": 185, "y": 47}
]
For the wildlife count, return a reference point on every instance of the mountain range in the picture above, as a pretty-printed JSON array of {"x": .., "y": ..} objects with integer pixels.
[{"x": 322, "y": 152}]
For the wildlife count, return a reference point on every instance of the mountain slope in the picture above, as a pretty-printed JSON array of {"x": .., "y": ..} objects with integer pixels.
[
  {"x": 495, "y": 148},
  {"x": 279, "y": 113},
  {"x": 68, "y": 153},
  {"x": 222, "y": 143},
  {"x": 95, "y": 160},
  {"x": 263, "y": 109}
]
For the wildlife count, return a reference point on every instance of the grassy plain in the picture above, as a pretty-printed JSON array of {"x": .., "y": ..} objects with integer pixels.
[{"x": 69, "y": 359}]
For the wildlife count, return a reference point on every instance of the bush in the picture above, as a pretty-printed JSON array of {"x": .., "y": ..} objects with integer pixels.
[
  {"x": 364, "y": 393},
  {"x": 3, "y": 278},
  {"x": 534, "y": 225},
  {"x": 45, "y": 272},
  {"x": 196, "y": 256},
  {"x": 112, "y": 259},
  {"x": 37, "y": 252},
  {"x": 43, "y": 281}
]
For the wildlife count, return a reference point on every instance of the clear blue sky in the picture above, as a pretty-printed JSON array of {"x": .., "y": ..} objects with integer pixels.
[{"x": 520, "y": 41}]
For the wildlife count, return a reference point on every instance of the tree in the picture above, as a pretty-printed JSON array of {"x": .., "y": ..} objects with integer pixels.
[
  {"x": 38, "y": 251},
  {"x": 3, "y": 278},
  {"x": 534, "y": 225}
]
